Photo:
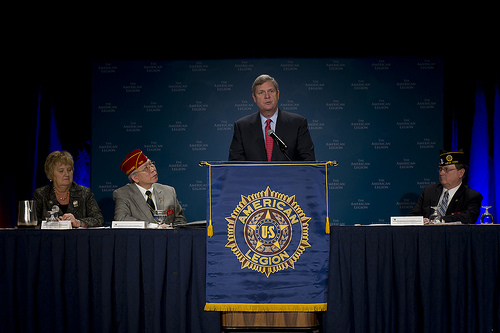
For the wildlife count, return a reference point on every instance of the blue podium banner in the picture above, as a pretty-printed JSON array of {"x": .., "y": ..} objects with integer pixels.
[{"x": 268, "y": 241}]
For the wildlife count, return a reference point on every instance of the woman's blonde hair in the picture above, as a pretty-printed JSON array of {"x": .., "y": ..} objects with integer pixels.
[{"x": 55, "y": 158}]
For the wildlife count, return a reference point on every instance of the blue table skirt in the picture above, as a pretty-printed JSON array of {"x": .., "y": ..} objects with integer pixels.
[
  {"x": 381, "y": 279},
  {"x": 104, "y": 281},
  {"x": 414, "y": 279}
]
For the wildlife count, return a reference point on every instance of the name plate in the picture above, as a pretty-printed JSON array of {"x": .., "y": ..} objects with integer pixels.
[
  {"x": 129, "y": 224},
  {"x": 407, "y": 220},
  {"x": 56, "y": 225}
]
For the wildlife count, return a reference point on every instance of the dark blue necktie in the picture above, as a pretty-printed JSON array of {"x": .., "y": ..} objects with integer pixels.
[
  {"x": 149, "y": 201},
  {"x": 443, "y": 204}
]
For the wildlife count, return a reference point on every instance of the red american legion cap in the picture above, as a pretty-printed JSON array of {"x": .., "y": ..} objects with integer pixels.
[{"x": 133, "y": 160}]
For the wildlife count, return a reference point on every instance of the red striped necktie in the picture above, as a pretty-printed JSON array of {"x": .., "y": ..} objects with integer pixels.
[{"x": 269, "y": 141}]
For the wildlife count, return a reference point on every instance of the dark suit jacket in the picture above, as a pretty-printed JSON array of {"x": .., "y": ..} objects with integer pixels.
[
  {"x": 82, "y": 204},
  {"x": 249, "y": 145},
  {"x": 465, "y": 205},
  {"x": 131, "y": 206}
]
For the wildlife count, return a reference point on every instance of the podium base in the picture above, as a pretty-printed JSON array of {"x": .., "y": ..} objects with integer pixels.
[{"x": 270, "y": 322}]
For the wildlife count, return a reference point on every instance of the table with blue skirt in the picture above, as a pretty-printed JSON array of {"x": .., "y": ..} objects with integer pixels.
[{"x": 381, "y": 279}]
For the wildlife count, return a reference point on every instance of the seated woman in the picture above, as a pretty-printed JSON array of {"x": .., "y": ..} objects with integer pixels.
[{"x": 76, "y": 202}]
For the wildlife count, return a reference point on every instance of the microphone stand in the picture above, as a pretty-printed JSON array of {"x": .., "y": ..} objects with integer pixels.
[
  {"x": 282, "y": 148},
  {"x": 279, "y": 142}
]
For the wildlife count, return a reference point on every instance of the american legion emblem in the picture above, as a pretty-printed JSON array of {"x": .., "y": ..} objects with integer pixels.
[{"x": 267, "y": 231}]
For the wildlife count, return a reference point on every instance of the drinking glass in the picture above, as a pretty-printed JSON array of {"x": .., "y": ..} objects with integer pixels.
[
  {"x": 160, "y": 217},
  {"x": 435, "y": 218},
  {"x": 486, "y": 218}
]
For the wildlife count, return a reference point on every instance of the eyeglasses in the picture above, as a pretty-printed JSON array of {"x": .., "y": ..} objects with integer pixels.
[
  {"x": 147, "y": 167},
  {"x": 446, "y": 170}
]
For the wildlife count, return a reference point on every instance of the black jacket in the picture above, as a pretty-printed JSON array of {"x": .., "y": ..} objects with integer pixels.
[
  {"x": 81, "y": 204},
  {"x": 465, "y": 205},
  {"x": 249, "y": 145}
]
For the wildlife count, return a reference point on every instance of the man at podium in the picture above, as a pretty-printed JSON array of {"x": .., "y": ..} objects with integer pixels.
[{"x": 270, "y": 134}]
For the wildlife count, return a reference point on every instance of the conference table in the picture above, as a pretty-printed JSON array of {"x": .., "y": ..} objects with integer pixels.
[{"x": 381, "y": 279}]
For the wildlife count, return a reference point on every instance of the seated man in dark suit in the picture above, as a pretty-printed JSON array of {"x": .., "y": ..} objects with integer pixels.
[
  {"x": 455, "y": 201},
  {"x": 250, "y": 139}
]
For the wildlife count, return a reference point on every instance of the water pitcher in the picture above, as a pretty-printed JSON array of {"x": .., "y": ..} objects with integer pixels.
[{"x": 26, "y": 214}]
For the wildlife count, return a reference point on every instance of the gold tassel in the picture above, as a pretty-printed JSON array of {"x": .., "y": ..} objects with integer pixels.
[
  {"x": 327, "y": 227},
  {"x": 210, "y": 230}
]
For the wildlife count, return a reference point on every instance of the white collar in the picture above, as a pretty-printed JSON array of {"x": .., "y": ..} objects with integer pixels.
[
  {"x": 273, "y": 118},
  {"x": 143, "y": 190},
  {"x": 451, "y": 191}
]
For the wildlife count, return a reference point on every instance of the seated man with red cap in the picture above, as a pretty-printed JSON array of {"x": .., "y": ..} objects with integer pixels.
[
  {"x": 138, "y": 200},
  {"x": 454, "y": 200}
]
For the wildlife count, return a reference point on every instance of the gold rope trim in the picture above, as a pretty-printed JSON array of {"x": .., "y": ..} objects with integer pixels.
[
  {"x": 204, "y": 163},
  {"x": 327, "y": 224},
  {"x": 210, "y": 229},
  {"x": 248, "y": 307}
]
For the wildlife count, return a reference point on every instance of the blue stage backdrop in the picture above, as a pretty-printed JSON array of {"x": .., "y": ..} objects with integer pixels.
[{"x": 380, "y": 118}]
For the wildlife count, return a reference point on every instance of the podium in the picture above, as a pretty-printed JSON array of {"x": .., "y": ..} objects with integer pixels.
[
  {"x": 267, "y": 244},
  {"x": 306, "y": 322}
]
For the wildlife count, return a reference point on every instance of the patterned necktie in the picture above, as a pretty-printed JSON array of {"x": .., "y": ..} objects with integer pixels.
[
  {"x": 149, "y": 201},
  {"x": 443, "y": 204},
  {"x": 269, "y": 141}
]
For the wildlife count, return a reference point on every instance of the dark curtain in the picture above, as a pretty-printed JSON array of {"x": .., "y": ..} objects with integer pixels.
[
  {"x": 472, "y": 112},
  {"x": 48, "y": 109}
]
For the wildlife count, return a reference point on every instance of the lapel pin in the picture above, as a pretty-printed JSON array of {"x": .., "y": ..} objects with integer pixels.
[{"x": 75, "y": 203}]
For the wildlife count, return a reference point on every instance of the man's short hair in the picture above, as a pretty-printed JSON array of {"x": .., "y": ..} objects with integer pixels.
[
  {"x": 264, "y": 78},
  {"x": 461, "y": 166},
  {"x": 135, "y": 172}
]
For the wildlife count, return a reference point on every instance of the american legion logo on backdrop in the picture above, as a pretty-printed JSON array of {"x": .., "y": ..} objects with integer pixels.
[{"x": 268, "y": 241}]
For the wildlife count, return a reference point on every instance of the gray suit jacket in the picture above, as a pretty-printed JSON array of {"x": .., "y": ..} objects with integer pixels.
[{"x": 131, "y": 206}]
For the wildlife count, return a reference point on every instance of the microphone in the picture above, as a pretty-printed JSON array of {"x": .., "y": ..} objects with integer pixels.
[{"x": 278, "y": 140}]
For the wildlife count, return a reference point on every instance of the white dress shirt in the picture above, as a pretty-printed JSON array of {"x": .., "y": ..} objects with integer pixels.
[
  {"x": 263, "y": 121},
  {"x": 144, "y": 195},
  {"x": 451, "y": 193}
]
